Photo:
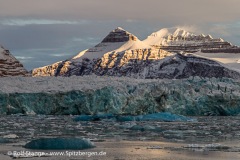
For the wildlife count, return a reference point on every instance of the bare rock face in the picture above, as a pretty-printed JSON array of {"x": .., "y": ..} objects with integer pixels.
[
  {"x": 119, "y": 35},
  {"x": 9, "y": 65},
  {"x": 172, "y": 67},
  {"x": 112, "y": 64}
]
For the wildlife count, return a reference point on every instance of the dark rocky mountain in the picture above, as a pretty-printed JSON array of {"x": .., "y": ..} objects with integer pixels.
[{"x": 9, "y": 65}]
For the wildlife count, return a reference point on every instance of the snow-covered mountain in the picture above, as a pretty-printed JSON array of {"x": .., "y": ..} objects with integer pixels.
[
  {"x": 117, "y": 49},
  {"x": 123, "y": 54},
  {"x": 177, "y": 40},
  {"x": 205, "y": 46},
  {"x": 116, "y": 41},
  {"x": 9, "y": 65}
]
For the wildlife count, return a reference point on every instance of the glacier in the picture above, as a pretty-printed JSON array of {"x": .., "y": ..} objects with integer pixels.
[{"x": 92, "y": 95}]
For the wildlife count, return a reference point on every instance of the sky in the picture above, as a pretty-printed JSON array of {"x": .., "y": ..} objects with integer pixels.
[{"x": 41, "y": 32}]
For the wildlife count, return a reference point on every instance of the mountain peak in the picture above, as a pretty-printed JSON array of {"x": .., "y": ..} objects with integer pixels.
[
  {"x": 174, "y": 32},
  {"x": 119, "y": 29},
  {"x": 9, "y": 65},
  {"x": 179, "y": 32},
  {"x": 119, "y": 35}
]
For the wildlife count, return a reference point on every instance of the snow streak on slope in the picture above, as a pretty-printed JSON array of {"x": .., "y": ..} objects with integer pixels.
[{"x": 98, "y": 51}]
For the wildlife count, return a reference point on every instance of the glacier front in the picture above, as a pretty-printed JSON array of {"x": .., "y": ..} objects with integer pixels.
[{"x": 115, "y": 95}]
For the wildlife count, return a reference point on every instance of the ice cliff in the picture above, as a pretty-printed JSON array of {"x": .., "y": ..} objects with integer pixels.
[{"x": 96, "y": 95}]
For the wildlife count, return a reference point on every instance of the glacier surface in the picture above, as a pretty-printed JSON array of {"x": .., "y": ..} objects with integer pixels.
[{"x": 125, "y": 96}]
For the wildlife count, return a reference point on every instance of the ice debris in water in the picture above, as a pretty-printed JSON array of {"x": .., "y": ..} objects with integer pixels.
[
  {"x": 11, "y": 136},
  {"x": 162, "y": 116},
  {"x": 60, "y": 143},
  {"x": 209, "y": 146}
]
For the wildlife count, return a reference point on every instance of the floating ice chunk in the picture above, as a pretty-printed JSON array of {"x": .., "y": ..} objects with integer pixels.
[
  {"x": 127, "y": 125},
  {"x": 148, "y": 127},
  {"x": 11, "y": 136},
  {"x": 164, "y": 116},
  {"x": 194, "y": 146},
  {"x": 212, "y": 145},
  {"x": 216, "y": 146},
  {"x": 59, "y": 143},
  {"x": 207, "y": 146}
]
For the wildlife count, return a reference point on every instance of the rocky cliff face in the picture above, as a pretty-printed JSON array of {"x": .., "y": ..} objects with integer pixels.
[
  {"x": 9, "y": 65},
  {"x": 173, "y": 67},
  {"x": 119, "y": 35},
  {"x": 178, "y": 40},
  {"x": 123, "y": 54}
]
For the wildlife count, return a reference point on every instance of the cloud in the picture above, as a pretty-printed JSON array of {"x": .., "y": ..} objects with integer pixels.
[
  {"x": 23, "y": 58},
  {"x": 24, "y": 22},
  {"x": 59, "y": 55},
  {"x": 131, "y": 20},
  {"x": 78, "y": 39},
  {"x": 186, "y": 11},
  {"x": 189, "y": 28}
]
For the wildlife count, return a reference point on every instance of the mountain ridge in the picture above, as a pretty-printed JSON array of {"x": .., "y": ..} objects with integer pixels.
[
  {"x": 177, "y": 40},
  {"x": 121, "y": 53}
]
